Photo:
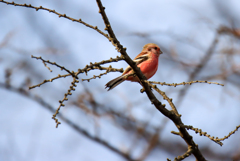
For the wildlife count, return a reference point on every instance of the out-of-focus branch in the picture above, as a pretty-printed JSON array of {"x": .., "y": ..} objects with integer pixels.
[
  {"x": 232, "y": 31},
  {"x": 154, "y": 140},
  {"x": 76, "y": 127},
  {"x": 6, "y": 39},
  {"x": 220, "y": 31},
  {"x": 198, "y": 69}
]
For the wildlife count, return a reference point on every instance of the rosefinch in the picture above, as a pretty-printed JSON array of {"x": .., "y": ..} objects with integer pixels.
[{"x": 147, "y": 61}]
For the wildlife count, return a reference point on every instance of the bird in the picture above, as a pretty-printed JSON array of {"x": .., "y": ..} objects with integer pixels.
[{"x": 147, "y": 61}]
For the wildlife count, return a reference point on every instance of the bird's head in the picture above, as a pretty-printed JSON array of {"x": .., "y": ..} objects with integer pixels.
[{"x": 153, "y": 48}]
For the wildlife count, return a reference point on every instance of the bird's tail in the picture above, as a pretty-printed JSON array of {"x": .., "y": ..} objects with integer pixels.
[{"x": 113, "y": 83}]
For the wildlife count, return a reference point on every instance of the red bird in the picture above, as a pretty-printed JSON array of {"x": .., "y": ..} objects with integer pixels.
[{"x": 147, "y": 61}]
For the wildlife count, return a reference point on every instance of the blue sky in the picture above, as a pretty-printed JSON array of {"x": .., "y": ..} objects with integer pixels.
[{"x": 184, "y": 31}]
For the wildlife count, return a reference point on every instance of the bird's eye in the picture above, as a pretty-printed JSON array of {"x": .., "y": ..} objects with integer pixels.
[{"x": 155, "y": 48}]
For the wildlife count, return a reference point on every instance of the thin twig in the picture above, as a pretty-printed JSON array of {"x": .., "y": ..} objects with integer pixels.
[
  {"x": 204, "y": 134},
  {"x": 59, "y": 15},
  {"x": 184, "y": 83},
  {"x": 185, "y": 155}
]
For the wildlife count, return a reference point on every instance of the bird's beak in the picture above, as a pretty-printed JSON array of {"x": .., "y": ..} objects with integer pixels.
[{"x": 160, "y": 51}]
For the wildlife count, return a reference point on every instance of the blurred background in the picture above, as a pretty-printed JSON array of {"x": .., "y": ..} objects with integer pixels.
[{"x": 199, "y": 39}]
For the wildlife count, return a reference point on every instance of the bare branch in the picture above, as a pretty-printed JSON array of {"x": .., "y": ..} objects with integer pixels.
[
  {"x": 54, "y": 63},
  {"x": 185, "y": 155},
  {"x": 184, "y": 83},
  {"x": 57, "y": 13},
  {"x": 75, "y": 77},
  {"x": 204, "y": 134},
  {"x": 109, "y": 69}
]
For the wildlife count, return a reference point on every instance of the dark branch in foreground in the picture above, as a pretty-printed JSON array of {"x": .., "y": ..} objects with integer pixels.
[{"x": 170, "y": 114}]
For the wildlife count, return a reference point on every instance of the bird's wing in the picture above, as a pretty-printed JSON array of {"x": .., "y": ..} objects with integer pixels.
[{"x": 139, "y": 59}]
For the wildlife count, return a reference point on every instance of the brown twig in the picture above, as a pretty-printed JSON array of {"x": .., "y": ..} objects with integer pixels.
[
  {"x": 217, "y": 140},
  {"x": 109, "y": 69},
  {"x": 185, "y": 155},
  {"x": 184, "y": 83},
  {"x": 204, "y": 134},
  {"x": 165, "y": 97},
  {"x": 96, "y": 65},
  {"x": 57, "y": 13},
  {"x": 49, "y": 80}
]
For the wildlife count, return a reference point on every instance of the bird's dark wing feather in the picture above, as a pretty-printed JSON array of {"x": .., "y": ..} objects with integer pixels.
[{"x": 139, "y": 59}]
